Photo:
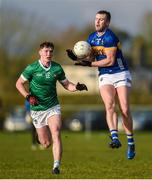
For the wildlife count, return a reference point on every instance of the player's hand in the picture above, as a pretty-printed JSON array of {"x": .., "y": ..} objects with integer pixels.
[
  {"x": 32, "y": 100},
  {"x": 83, "y": 63},
  {"x": 71, "y": 55},
  {"x": 81, "y": 87}
]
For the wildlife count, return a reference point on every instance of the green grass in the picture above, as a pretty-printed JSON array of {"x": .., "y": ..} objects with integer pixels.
[{"x": 84, "y": 157}]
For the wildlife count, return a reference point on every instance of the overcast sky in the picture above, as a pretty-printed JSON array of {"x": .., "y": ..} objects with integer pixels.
[{"x": 126, "y": 14}]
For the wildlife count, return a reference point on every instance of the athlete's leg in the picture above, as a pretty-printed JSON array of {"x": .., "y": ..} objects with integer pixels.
[
  {"x": 123, "y": 96},
  {"x": 55, "y": 123},
  {"x": 108, "y": 93},
  {"x": 33, "y": 136},
  {"x": 44, "y": 136},
  {"x": 33, "y": 133}
]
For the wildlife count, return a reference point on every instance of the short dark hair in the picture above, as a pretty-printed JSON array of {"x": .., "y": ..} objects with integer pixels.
[
  {"x": 46, "y": 44},
  {"x": 105, "y": 12}
]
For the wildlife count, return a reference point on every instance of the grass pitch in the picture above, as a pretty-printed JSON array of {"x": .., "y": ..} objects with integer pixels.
[{"x": 84, "y": 157}]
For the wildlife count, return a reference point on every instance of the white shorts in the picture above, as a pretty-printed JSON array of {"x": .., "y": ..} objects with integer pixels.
[
  {"x": 117, "y": 79},
  {"x": 40, "y": 118}
]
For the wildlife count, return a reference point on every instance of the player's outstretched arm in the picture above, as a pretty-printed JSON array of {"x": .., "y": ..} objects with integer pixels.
[{"x": 74, "y": 87}]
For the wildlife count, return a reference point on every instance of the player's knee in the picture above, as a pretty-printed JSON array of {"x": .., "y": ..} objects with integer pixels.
[
  {"x": 45, "y": 143},
  {"x": 110, "y": 109},
  {"x": 125, "y": 113}
]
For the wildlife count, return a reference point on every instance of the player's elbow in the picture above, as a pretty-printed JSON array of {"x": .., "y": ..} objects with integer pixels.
[
  {"x": 17, "y": 84},
  {"x": 111, "y": 62}
]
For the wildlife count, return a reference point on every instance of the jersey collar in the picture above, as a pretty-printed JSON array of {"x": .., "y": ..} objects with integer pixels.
[
  {"x": 46, "y": 68},
  {"x": 102, "y": 34}
]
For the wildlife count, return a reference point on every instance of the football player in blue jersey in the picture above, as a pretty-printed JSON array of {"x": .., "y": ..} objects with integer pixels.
[{"x": 114, "y": 78}]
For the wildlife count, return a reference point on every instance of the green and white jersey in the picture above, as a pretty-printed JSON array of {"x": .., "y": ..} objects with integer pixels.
[{"x": 42, "y": 83}]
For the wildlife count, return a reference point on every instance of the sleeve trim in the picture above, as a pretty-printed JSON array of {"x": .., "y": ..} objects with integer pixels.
[
  {"x": 24, "y": 78},
  {"x": 62, "y": 81}
]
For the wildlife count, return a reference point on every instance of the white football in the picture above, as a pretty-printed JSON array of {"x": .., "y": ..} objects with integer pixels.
[{"x": 82, "y": 49}]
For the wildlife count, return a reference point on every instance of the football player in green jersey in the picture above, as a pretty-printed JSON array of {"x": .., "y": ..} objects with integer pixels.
[{"x": 42, "y": 76}]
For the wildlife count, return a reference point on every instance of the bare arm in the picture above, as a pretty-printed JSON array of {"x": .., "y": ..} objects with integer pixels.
[
  {"x": 21, "y": 87},
  {"x": 109, "y": 61},
  {"x": 69, "y": 86},
  {"x": 74, "y": 87}
]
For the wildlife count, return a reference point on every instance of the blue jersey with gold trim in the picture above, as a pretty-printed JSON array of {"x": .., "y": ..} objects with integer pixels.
[{"x": 107, "y": 41}]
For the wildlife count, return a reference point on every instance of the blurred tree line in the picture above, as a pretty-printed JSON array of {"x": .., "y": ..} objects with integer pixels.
[{"x": 21, "y": 35}]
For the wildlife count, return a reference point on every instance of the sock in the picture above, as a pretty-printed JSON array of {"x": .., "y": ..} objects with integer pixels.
[
  {"x": 130, "y": 139},
  {"x": 56, "y": 164},
  {"x": 114, "y": 134}
]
